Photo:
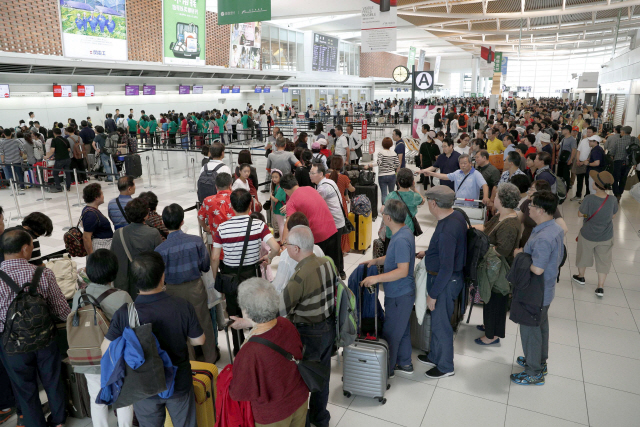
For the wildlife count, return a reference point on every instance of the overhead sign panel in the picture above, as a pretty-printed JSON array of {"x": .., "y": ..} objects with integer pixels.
[
  {"x": 378, "y": 25},
  {"x": 184, "y": 31},
  {"x": 94, "y": 29},
  {"x": 423, "y": 80},
  {"x": 325, "y": 53},
  {"x": 237, "y": 12}
]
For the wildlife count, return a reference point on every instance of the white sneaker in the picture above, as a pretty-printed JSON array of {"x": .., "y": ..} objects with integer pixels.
[{"x": 575, "y": 199}]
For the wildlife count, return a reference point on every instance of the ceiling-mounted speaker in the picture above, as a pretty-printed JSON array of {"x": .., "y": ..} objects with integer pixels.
[{"x": 385, "y": 5}]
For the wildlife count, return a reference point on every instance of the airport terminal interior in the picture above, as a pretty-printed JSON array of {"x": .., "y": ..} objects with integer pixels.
[{"x": 392, "y": 103}]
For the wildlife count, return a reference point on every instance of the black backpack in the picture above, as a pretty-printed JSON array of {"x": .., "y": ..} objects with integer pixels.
[
  {"x": 633, "y": 152},
  {"x": 477, "y": 247},
  {"x": 29, "y": 325},
  {"x": 250, "y": 122},
  {"x": 207, "y": 182}
]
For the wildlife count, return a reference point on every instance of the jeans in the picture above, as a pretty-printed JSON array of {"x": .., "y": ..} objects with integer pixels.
[
  {"x": 14, "y": 172},
  {"x": 106, "y": 163},
  {"x": 535, "y": 344},
  {"x": 151, "y": 411},
  {"x": 620, "y": 172},
  {"x": 68, "y": 176},
  {"x": 100, "y": 413},
  {"x": 396, "y": 329},
  {"x": 24, "y": 370},
  {"x": 583, "y": 179},
  {"x": 387, "y": 184},
  {"x": 333, "y": 249},
  {"x": 317, "y": 341},
  {"x": 441, "y": 331},
  {"x": 7, "y": 395},
  {"x": 564, "y": 172}
]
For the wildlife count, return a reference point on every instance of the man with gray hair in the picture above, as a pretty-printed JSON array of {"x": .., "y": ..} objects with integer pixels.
[
  {"x": 282, "y": 160},
  {"x": 467, "y": 181},
  {"x": 444, "y": 261}
]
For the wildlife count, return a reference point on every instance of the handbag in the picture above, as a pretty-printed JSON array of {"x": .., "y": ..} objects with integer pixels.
[
  {"x": 313, "y": 372},
  {"x": 348, "y": 225},
  {"x": 366, "y": 177},
  {"x": 149, "y": 378},
  {"x": 594, "y": 214},
  {"x": 417, "y": 230},
  {"x": 228, "y": 283}
]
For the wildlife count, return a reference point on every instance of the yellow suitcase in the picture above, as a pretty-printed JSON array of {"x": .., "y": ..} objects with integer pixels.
[
  {"x": 360, "y": 239},
  {"x": 204, "y": 388}
]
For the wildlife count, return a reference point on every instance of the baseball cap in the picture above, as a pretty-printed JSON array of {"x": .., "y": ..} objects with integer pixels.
[
  {"x": 545, "y": 137},
  {"x": 315, "y": 146},
  {"x": 322, "y": 141},
  {"x": 595, "y": 138},
  {"x": 576, "y": 128},
  {"x": 431, "y": 134},
  {"x": 441, "y": 193}
]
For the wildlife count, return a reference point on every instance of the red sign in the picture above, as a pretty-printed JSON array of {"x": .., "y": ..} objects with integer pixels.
[
  {"x": 372, "y": 147},
  {"x": 364, "y": 129},
  {"x": 80, "y": 90},
  {"x": 61, "y": 91}
]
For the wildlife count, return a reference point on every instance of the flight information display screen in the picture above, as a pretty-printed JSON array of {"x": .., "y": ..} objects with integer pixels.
[{"x": 325, "y": 53}]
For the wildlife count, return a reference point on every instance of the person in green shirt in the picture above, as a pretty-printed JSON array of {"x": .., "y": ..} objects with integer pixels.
[
  {"x": 220, "y": 122},
  {"x": 153, "y": 125},
  {"x": 278, "y": 198},
  {"x": 243, "y": 119},
  {"x": 406, "y": 193},
  {"x": 133, "y": 126},
  {"x": 173, "y": 129},
  {"x": 144, "y": 128}
]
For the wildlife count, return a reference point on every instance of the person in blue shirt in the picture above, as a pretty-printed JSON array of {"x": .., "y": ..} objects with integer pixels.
[
  {"x": 444, "y": 261},
  {"x": 127, "y": 188},
  {"x": 186, "y": 257},
  {"x": 400, "y": 146},
  {"x": 102, "y": 22},
  {"x": 446, "y": 162},
  {"x": 547, "y": 250},
  {"x": 111, "y": 25},
  {"x": 80, "y": 23},
  {"x": 93, "y": 22},
  {"x": 467, "y": 181},
  {"x": 399, "y": 286}
]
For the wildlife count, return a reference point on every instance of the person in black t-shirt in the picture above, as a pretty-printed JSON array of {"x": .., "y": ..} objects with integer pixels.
[{"x": 60, "y": 149}]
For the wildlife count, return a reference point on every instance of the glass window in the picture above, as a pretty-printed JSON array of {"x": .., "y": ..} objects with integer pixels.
[
  {"x": 265, "y": 48},
  {"x": 284, "y": 49},
  {"x": 292, "y": 50}
]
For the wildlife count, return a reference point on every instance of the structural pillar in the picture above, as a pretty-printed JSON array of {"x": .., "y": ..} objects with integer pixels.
[{"x": 474, "y": 75}]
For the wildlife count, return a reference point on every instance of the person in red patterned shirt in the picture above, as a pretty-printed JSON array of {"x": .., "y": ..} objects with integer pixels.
[
  {"x": 216, "y": 209},
  {"x": 25, "y": 368}
]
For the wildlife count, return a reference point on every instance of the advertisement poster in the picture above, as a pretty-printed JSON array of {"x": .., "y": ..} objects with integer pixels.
[
  {"x": 245, "y": 46},
  {"x": 238, "y": 12},
  {"x": 184, "y": 90},
  {"x": 4, "y": 91},
  {"x": 378, "y": 25},
  {"x": 224, "y": 89},
  {"x": 132, "y": 90},
  {"x": 94, "y": 29},
  {"x": 184, "y": 32},
  {"x": 86, "y": 90},
  {"x": 422, "y": 114},
  {"x": 235, "y": 89},
  {"x": 149, "y": 89},
  {"x": 61, "y": 91},
  {"x": 411, "y": 59}
]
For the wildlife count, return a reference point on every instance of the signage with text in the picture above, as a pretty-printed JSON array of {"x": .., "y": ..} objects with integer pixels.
[
  {"x": 183, "y": 23},
  {"x": 61, "y": 91},
  {"x": 372, "y": 147},
  {"x": 423, "y": 80},
  {"x": 149, "y": 89},
  {"x": 285, "y": 89},
  {"x": 198, "y": 90},
  {"x": 378, "y": 25},
  {"x": 225, "y": 89},
  {"x": 184, "y": 90},
  {"x": 4, "y": 91},
  {"x": 237, "y": 12},
  {"x": 325, "y": 53},
  {"x": 86, "y": 90},
  {"x": 132, "y": 90},
  {"x": 267, "y": 89},
  {"x": 258, "y": 89},
  {"x": 236, "y": 89},
  {"x": 364, "y": 130}
]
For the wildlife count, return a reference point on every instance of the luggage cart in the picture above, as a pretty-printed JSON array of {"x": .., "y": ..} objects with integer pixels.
[{"x": 475, "y": 210}]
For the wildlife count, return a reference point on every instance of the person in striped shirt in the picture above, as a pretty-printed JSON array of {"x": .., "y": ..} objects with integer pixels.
[{"x": 230, "y": 237}]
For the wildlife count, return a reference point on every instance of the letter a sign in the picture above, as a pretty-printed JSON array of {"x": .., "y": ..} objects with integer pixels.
[{"x": 424, "y": 80}]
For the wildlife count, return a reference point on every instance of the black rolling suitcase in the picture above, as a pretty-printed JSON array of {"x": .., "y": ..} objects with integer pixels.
[
  {"x": 371, "y": 191},
  {"x": 78, "y": 400},
  {"x": 133, "y": 165}
]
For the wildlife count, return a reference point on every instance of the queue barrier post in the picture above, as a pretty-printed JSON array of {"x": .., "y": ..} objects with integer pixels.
[
  {"x": 14, "y": 190},
  {"x": 75, "y": 176},
  {"x": 66, "y": 197},
  {"x": 168, "y": 166},
  {"x": 149, "y": 185},
  {"x": 193, "y": 167},
  {"x": 114, "y": 173},
  {"x": 43, "y": 198},
  {"x": 153, "y": 158},
  {"x": 186, "y": 158}
]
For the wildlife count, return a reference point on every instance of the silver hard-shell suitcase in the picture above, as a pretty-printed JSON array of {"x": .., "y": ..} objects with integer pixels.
[
  {"x": 421, "y": 334},
  {"x": 366, "y": 370}
]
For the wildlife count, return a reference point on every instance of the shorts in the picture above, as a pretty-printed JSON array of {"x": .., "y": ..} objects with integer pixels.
[{"x": 602, "y": 251}]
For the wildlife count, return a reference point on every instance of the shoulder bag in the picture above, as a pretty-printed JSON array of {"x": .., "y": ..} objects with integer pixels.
[
  {"x": 124, "y": 244},
  {"x": 348, "y": 225},
  {"x": 124, "y": 215},
  {"x": 313, "y": 372},
  {"x": 228, "y": 283},
  {"x": 417, "y": 230},
  {"x": 594, "y": 214}
]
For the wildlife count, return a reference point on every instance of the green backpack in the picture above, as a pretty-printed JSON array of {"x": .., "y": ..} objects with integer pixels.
[{"x": 346, "y": 311}]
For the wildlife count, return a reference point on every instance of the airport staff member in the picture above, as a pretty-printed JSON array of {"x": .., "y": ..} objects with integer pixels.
[{"x": 444, "y": 261}]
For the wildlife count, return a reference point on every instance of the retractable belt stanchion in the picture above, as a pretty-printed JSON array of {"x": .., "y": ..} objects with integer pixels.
[
  {"x": 44, "y": 198},
  {"x": 149, "y": 185},
  {"x": 114, "y": 172},
  {"x": 75, "y": 175},
  {"x": 193, "y": 167},
  {"x": 14, "y": 190},
  {"x": 66, "y": 197},
  {"x": 153, "y": 158},
  {"x": 168, "y": 167},
  {"x": 186, "y": 158}
]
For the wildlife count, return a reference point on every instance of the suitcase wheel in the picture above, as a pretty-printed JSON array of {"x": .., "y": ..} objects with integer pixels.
[
  {"x": 346, "y": 394},
  {"x": 388, "y": 386},
  {"x": 382, "y": 400}
]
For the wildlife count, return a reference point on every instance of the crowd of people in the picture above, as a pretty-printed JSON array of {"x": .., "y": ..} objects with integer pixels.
[{"x": 518, "y": 162}]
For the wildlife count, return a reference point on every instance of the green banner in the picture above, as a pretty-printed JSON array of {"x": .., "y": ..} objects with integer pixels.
[
  {"x": 497, "y": 64},
  {"x": 240, "y": 11},
  {"x": 411, "y": 61},
  {"x": 473, "y": 95},
  {"x": 184, "y": 31}
]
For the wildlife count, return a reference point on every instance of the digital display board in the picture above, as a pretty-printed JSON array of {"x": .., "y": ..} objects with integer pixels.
[
  {"x": 86, "y": 90},
  {"x": 61, "y": 91},
  {"x": 149, "y": 89},
  {"x": 132, "y": 90},
  {"x": 267, "y": 89},
  {"x": 225, "y": 89},
  {"x": 325, "y": 53},
  {"x": 258, "y": 89},
  {"x": 198, "y": 90},
  {"x": 285, "y": 89},
  {"x": 184, "y": 90},
  {"x": 4, "y": 91},
  {"x": 236, "y": 89}
]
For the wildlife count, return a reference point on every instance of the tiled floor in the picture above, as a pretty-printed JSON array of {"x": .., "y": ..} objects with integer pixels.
[{"x": 594, "y": 364}]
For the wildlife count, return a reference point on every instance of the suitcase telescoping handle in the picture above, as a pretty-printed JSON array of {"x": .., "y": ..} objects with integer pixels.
[{"x": 226, "y": 330}]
